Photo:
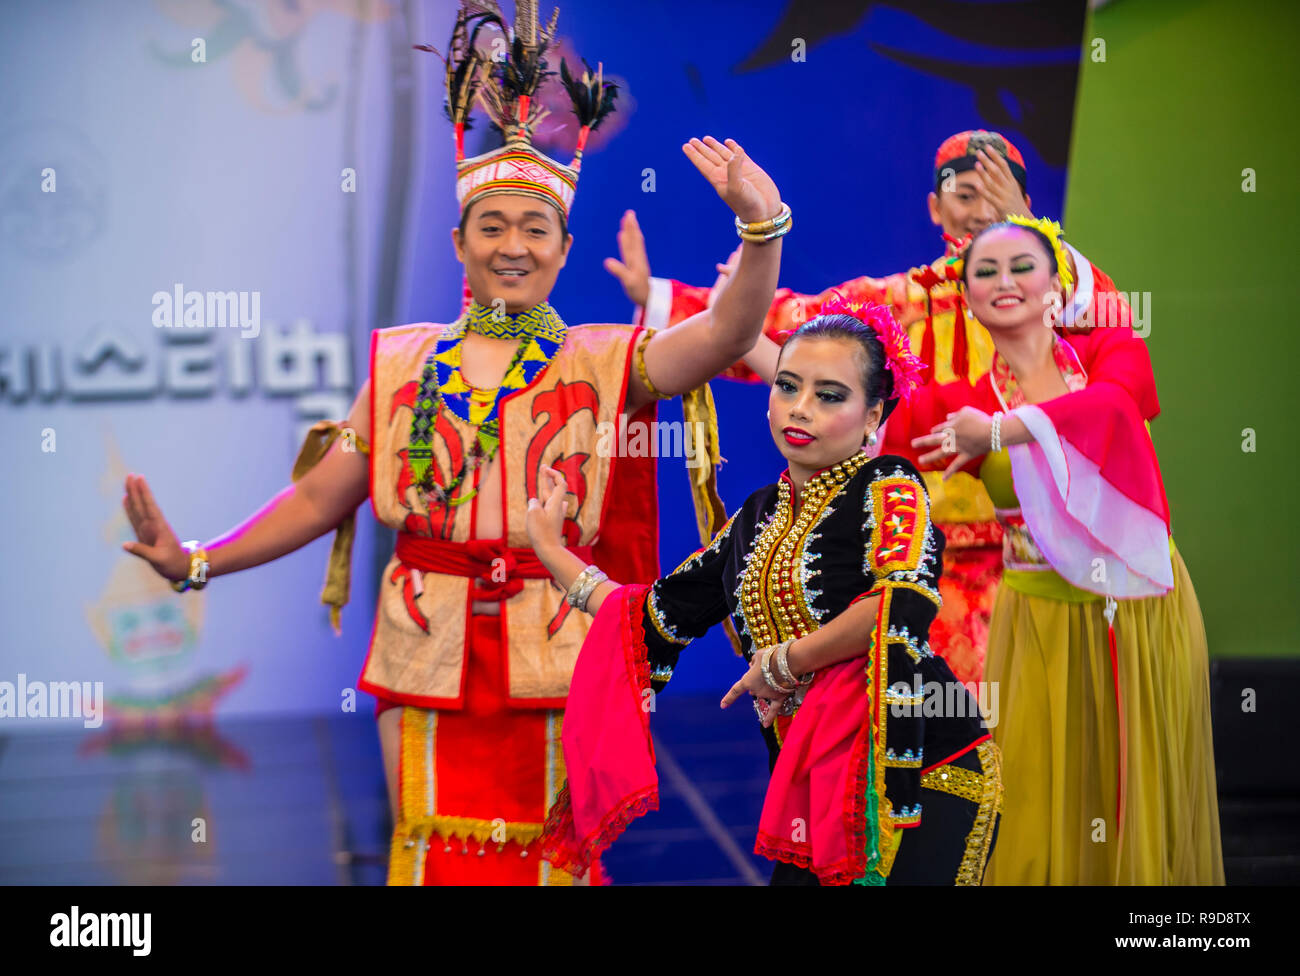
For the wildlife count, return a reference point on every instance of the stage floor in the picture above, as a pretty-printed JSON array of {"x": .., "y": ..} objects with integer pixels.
[{"x": 302, "y": 801}]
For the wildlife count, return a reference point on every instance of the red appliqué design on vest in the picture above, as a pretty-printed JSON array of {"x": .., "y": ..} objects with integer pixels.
[
  {"x": 559, "y": 405},
  {"x": 897, "y": 505},
  {"x": 402, "y": 575},
  {"x": 417, "y": 523}
]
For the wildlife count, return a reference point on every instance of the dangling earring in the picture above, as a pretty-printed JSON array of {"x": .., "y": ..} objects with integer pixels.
[
  {"x": 871, "y": 438},
  {"x": 769, "y": 415}
]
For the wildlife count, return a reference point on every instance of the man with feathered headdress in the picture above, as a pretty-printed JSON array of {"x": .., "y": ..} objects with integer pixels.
[{"x": 473, "y": 649}]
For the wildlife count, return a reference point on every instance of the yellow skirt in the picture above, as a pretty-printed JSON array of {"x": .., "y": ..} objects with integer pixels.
[{"x": 1067, "y": 748}]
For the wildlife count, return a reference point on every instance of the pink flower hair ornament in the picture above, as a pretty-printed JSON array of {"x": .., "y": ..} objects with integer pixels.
[{"x": 905, "y": 367}]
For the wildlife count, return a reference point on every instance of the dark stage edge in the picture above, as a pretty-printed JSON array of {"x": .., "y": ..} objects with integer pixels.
[{"x": 301, "y": 801}]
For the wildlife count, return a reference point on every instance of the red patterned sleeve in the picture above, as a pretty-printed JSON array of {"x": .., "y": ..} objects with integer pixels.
[{"x": 672, "y": 302}]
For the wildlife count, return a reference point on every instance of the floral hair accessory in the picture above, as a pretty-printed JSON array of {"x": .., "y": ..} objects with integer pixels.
[
  {"x": 1052, "y": 231},
  {"x": 899, "y": 360}
]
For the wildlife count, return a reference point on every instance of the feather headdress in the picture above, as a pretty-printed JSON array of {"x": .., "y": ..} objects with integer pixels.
[{"x": 504, "y": 83}]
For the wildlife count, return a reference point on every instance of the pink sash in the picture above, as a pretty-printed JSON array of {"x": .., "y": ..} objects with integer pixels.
[{"x": 608, "y": 753}]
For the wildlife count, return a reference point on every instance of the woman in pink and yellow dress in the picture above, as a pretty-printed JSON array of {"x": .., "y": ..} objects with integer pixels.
[{"x": 1096, "y": 641}]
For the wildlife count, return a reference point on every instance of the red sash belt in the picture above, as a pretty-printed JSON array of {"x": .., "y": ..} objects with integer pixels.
[{"x": 498, "y": 570}]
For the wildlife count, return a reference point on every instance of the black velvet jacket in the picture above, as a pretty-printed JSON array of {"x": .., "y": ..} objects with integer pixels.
[{"x": 862, "y": 525}]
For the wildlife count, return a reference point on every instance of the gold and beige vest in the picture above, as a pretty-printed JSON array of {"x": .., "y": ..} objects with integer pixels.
[{"x": 418, "y": 648}]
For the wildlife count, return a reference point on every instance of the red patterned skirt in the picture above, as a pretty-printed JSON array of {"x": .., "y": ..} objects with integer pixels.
[
  {"x": 475, "y": 784},
  {"x": 972, "y": 569}
]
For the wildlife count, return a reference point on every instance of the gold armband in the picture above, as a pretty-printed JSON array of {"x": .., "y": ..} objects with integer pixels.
[{"x": 639, "y": 357}]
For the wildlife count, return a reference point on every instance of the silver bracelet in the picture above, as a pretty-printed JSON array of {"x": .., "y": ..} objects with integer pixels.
[
  {"x": 783, "y": 666},
  {"x": 765, "y": 664},
  {"x": 583, "y": 585},
  {"x": 996, "y": 432}
]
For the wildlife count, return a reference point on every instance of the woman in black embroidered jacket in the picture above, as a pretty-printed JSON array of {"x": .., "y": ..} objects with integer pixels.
[{"x": 882, "y": 767}]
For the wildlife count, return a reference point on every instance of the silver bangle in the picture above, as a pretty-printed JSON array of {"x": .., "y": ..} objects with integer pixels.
[
  {"x": 583, "y": 585},
  {"x": 995, "y": 434},
  {"x": 765, "y": 664},
  {"x": 783, "y": 666}
]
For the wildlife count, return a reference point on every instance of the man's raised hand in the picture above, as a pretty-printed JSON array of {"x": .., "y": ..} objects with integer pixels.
[{"x": 741, "y": 182}]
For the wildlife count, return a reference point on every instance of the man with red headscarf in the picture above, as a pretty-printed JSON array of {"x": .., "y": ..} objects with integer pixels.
[{"x": 979, "y": 179}]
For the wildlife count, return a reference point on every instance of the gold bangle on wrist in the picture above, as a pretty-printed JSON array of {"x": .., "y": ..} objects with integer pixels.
[
  {"x": 198, "y": 574},
  {"x": 783, "y": 666},
  {"x": 782, "y": 658},
  {"x": 764, "y": 226},
  {"x": 763, "y": 231}
]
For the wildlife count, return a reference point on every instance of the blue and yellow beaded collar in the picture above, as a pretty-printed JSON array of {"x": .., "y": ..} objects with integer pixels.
[{"x": 540, "y": 332}]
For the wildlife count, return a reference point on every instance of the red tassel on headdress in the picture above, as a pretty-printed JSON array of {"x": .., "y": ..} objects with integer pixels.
[
  {"x": 927, "y": 342},
  {"x": 960, "y": 355},
  {"x": 960, "y": 342},
  {"x": 927, "y": 279}
]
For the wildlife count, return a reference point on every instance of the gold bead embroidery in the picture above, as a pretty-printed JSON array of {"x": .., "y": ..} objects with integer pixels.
[
  {"x": 774, "y": 602},
  {"x": 956, "y": 780},
  {"x": 983, "y": 789}
]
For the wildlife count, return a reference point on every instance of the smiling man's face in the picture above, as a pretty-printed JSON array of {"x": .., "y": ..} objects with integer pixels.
[{"x": 513, "y": 248}]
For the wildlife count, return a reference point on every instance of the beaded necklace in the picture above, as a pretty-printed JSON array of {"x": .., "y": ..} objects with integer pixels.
[{"x": 540, "y": 332}]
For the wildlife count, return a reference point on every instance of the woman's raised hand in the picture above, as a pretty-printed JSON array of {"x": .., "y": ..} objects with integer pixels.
[
  {"x": 157, "y": 543},
  {"x": 740, "y": 181},
  {"x": 633, "y": 271}
]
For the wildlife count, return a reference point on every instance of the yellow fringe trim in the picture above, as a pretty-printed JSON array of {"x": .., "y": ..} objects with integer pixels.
[
  {"x": 420, "y": 826},
  {"x": 889, "y": 852},
  {"x": 710, "y": 512},
  {"x": 485, "y": 832},
  {"x": 338, "y": 574}
]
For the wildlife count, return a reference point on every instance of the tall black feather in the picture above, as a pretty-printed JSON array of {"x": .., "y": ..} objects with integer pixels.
[{"x": 592, "y": 99}]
